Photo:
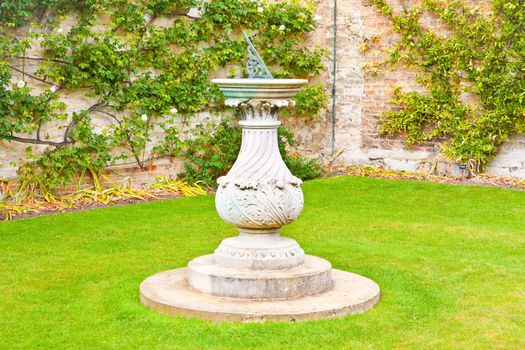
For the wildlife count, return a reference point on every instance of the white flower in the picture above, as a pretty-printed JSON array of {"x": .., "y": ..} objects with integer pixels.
[
  {"x": 60, "y": 30},
  {"x": 282, "y": 27},
  {"x": 195, "y": 12},
  {"x": 21, "y": 84},
  {"x": 8, "y": 88},
  {"x": 318, "y": 18},
  {"x": 260, "y": 9},
  {"x": 144, "y": 117},
  {"x": 148, "y": 17},
  {"x": 173, "y": 111},
  {"x": 53, "y": 89}
]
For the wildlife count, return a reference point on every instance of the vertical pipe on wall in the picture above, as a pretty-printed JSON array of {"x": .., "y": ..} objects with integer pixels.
[{"x": 334, "y": 77}]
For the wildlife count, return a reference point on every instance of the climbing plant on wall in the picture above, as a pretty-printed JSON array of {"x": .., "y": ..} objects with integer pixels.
[
  {"x": 143, "y": 77},
  {"x": 473, "y": 73}
]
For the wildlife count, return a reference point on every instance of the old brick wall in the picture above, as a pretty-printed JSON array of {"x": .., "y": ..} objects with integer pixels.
[
  {"x": 362, "y": 96},
  {"x": 386, "y": 151}
]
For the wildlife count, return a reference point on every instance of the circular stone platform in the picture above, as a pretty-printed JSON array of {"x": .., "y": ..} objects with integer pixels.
[
  {"x": 310, "y": 278},
  {"x": 168, "y": 292}
]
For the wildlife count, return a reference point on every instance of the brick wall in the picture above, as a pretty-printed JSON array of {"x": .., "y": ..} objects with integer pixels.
[
  {"x": 385, "y": 151},
  {"x": 363, "y": 96}
]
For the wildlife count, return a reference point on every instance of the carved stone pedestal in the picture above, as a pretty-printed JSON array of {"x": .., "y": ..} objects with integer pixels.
[
  {"x": 256, "y": 251},
  {"x": 259, "y": 274}
]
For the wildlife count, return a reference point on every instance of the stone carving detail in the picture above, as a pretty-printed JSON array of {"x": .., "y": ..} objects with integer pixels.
[
  {"x": 259, "y": 192},
  {"x": 259, "y": 111},
  {"x": 250, "y": 204},
  {"x": 252, "y": 255}
]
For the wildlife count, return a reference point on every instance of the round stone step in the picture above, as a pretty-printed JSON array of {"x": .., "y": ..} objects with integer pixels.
[
  {"x": 310, "y": 278},
  {"x": 168, "y": 292}
]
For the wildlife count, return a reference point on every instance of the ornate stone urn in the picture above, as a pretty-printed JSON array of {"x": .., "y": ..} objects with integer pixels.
[
  {"x": 259, "y": 274},
  {"x": 259, "y": 195}
]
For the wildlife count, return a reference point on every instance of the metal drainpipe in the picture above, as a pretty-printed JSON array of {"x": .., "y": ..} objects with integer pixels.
[{"x": 334, "y": 81}]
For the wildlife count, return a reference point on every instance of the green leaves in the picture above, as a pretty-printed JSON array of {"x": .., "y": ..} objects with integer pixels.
[
  {"x": 474, "y": 78},
  {"x": 212, "y": 150},
  {"x": 138, "y": 72},
  {"x": 310, "y": 100}
]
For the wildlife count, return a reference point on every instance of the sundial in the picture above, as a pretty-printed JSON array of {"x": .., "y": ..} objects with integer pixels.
[
  {"x": 255, "y": 65},
  {"x": 259, "y": 274}
]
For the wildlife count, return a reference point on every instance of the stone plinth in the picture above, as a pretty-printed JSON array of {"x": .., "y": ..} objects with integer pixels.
[
  {"x": 169, "y": 292},
  {"x": 311, "y": 277}
]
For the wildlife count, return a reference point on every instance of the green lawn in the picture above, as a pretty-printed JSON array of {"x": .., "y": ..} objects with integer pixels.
[{"x": 450, "y": 261}]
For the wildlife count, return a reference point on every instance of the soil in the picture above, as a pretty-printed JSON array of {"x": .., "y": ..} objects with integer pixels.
[
  {"x": 480, "y": 180},
  {"x": 95, "y": 205}
]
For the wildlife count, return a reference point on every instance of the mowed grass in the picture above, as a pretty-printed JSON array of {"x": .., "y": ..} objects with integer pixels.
[{"x": 450, "y": 261}]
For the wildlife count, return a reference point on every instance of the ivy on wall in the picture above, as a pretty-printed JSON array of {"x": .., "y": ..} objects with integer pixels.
[
  {"x": 473, "y": 73},
  {"x": 144, "y": 77}
]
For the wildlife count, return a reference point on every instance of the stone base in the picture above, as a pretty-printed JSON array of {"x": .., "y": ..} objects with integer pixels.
[
  {"x": 310, "y": 278},
  {"x": 259, "y": 250},
  {"x": 169, "y": 292}
]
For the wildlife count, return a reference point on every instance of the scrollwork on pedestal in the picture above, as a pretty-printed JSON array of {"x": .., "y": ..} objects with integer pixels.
[
  {"x": 249, "y": 204},
  {"x": 249, "y": 254},
  {"x": 259, "y": 192}
]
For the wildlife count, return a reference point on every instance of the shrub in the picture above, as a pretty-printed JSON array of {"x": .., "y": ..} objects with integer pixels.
[{"x": 213, "y": 150}]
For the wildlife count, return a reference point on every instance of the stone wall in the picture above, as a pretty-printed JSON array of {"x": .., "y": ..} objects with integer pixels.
[{"x": 360, "y": 98}]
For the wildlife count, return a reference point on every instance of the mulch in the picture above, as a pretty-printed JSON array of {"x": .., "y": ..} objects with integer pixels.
[
  {"x": 94, "y": 205},
  {"x": 477, "y": 180},
  {"x": 378, "y": 173}
]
